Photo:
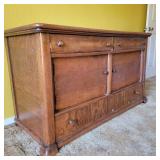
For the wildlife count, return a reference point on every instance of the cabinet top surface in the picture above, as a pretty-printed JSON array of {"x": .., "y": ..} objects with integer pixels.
[{"x": 51, "y": 28}]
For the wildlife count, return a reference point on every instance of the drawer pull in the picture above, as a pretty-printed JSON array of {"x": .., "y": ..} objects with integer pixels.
[
  {"x": 108, "y": 44},
  {"x": 136, "y": 92},
  {"x": 113, "y": 110},
  {"x": 72, "y": 122},
  {"x": 105, "y": 72},
  {"x": 60, "y": 43}
]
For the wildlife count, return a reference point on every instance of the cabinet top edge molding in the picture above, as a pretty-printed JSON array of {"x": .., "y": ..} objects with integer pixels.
[{"x": 59, "y": 29}]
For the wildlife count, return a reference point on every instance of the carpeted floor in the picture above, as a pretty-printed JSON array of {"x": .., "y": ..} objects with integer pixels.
[{"x": 133, "y": 133}]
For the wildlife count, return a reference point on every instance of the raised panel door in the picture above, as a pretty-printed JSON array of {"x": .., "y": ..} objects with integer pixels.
[
  {"x": 79, "y": 79},
  {"x": 126, "y": 69}
]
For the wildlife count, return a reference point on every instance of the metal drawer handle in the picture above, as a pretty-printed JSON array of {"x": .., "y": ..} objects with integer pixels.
[
  {"x": 72, "y": 122},
  {"x": 60, "y": 43}
]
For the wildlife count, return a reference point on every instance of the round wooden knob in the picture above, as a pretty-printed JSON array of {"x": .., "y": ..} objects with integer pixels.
[
  {"x": 108, "y": 44},
  {"x": 72, "y": 122},
  {"x": 60, "y": 43},
  {"x": 105, "y": 72},
  {"x": 136, "y": 92},
  {"x": 112, "y": 110}
]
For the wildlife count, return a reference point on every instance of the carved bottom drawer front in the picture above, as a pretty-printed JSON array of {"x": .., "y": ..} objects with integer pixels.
[
  {"x": 124, "y": 98},
  {"x": 72, "y": 122}
]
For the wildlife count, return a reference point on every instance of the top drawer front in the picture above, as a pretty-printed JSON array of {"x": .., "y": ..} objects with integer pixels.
[
  {"x": 75, "y": 44},
  {"x": 129, "y": 43}
]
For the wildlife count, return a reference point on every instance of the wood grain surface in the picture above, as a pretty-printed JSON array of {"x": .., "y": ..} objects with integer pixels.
[{"x": 67, "y": 81}]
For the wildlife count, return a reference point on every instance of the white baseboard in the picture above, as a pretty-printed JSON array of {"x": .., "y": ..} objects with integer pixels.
[{"x": 9, "y": 121}]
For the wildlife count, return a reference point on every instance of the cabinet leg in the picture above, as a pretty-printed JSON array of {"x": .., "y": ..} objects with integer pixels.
[
  {"x": 144, "y": 99},
  {"x": 51, "y": 150}
]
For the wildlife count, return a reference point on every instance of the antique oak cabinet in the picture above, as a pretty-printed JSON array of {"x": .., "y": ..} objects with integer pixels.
[{"x": 68, "y": 80}]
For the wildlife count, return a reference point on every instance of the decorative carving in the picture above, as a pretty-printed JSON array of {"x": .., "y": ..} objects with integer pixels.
[
  {"x": 124, "y": 98},
  {"x": 83, "y": 116},
  {"x": 99, "y": 109},
  {"x": 116, "y": 101}
]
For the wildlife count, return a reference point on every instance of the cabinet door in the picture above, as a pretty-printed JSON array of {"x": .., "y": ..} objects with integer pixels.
[
  {"x": 78, "y": 79},
  {"x": 126, "y": 69}
]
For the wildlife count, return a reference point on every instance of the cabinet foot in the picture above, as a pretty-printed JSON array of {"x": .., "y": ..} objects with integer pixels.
[
  {"x": 51, "y": 150},
  {"x": 144, "y": 99}
]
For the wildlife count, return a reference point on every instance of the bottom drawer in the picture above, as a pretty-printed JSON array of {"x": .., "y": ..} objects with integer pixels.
[
  {"x": 72, "y": 122},
  {"x": 125, "y": 98}
]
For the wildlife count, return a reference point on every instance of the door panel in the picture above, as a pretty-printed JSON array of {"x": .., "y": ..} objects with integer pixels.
[
  {"x": 79, "y": 79},
  {"x": 126, "y": 69}
]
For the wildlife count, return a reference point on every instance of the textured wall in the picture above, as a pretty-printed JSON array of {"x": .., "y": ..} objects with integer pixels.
[{"x": 115, "y": 17}]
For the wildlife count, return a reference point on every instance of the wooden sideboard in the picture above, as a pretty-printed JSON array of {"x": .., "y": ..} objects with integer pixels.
[{"x": 68, "y": 80}]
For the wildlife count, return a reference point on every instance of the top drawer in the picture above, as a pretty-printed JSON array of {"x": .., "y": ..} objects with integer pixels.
[
  {"x": 129, "y": 43},
  {"x": 75, "y": 44}
]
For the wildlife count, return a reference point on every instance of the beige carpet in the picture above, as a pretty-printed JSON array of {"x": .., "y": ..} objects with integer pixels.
[{"x": 133, "y": 133}]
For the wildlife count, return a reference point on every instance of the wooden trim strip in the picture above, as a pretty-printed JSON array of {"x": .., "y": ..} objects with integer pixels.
[
  {"x": 128, "y": 50},
  {"x": 109, "y": 77},
  {"x": 46, "y": 82},
  {"x": 80, "y": 54},
  {"x": 50, "y": 28},
  {"x": 141, "y": 66}
]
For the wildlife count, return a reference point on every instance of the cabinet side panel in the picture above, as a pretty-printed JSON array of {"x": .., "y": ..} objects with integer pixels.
[{"x": 24, "y": 54}]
